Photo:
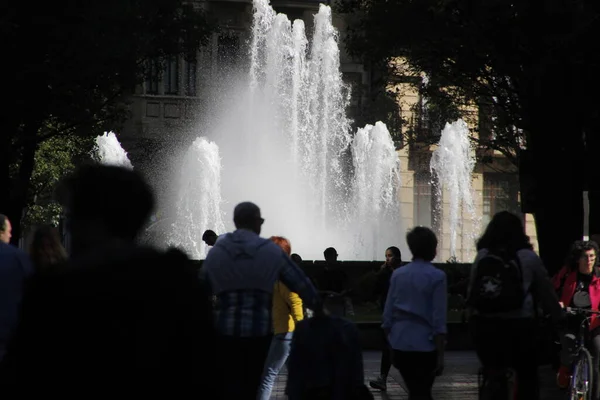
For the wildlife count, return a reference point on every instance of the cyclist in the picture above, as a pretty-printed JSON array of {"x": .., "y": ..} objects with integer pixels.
[
  {"x": 578, "y": 285},
  {"x": 503, "y": 307}
]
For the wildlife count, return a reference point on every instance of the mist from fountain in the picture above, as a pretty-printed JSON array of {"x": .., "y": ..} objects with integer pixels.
[
  {"x": 108, "y": 151},
  {"x": 285, "y": 144},
  {"x": 452, "y": 163}
]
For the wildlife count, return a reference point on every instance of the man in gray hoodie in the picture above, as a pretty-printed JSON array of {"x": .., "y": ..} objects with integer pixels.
[{"x": 241, "y": 271}]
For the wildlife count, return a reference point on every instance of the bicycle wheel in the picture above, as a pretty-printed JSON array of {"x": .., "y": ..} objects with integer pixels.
[{"x": 581, "y": 381}]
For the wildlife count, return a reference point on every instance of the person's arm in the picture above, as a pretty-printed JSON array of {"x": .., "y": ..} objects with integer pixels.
[
  {"x": 542, "y": 287},
  {"x": 294, "y": 302},
  {"x": 297, "y": 281},
  {"x": 558, "y": 279},
  {"x": 478, "y": 257},
  {"x": 439, "y": 320},
  {"x": 388, "y": 309}
]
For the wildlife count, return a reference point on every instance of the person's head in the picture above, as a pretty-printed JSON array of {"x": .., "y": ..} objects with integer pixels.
[
  {"x": 209, "y": 237},
  {"x": 246, "y": 215},
  {"x": 283, "y": 243},
  {"x": 505, "y": 231},
  {"x": 104, "y": 204},
  {"x": 296, "y": 258},
  {"x": 46, "y": 249},
  {"x": 393, "y": 257},
  {"x": 583, "y": 256},
  {"x": 422, "y": 243},
  {"x": 5, "y": 229},
  {"x": 330, "y": 255}
]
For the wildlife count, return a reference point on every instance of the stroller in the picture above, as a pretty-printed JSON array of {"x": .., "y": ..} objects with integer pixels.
[{"x": 326, "y": 362}]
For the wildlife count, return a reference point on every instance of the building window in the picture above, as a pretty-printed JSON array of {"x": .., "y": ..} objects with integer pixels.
[
  {"x": 152, "y": 77},
  {"x": 424, "y": 200},
  {"x": 171, "y": 76},
  {"x": 190, "y": 82},
  {"x": 500, "y": 193}
]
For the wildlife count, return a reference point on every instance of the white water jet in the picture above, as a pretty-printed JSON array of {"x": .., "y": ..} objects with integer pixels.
[
  {"x": 453, "y": 162},
  {"x": 285, "y": 144},
  {"x": 199, "y": 198},
  {"x": 108, "y": 151},
  {"x": 376, "y": 175}
]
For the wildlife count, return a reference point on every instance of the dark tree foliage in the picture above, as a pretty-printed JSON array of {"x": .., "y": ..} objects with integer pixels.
[
  {"x": 68, "y": 69},
  {"x": 532, "y": 67}
]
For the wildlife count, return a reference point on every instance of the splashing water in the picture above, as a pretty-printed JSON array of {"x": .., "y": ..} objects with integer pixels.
[
  {"x": 453, "y": 162},
  {"x": 108, "y": 151},
  {"x": 199, "y": 204},
  {"x": 285, "y": 144},
  {"x": 376, "y": 175}
]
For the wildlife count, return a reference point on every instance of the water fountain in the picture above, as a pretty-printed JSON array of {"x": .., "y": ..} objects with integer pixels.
[
  {"x": 108, "y": 151},
  {"x": 199, "y": 205},
  {"x": 285, "y": 143},
  {"x": 452, "y": 163},
  {"x": 376, "y": 175}
]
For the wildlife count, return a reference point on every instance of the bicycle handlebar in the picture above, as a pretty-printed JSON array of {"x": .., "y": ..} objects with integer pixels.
[{"x": 575, "y": 310}]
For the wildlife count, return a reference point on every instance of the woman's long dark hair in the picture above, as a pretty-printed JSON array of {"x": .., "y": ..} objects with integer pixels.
[{"x": 505, "y": 231}]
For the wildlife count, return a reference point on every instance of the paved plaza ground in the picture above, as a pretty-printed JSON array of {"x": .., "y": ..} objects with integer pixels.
[{"x": 459, "y": 381}]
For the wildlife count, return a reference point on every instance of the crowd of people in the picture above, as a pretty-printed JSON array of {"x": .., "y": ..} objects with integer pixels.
[{"x": 113, "y": 314}]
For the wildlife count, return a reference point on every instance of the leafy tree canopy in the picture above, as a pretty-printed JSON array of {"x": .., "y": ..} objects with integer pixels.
[
  {"x": 525, "y": 61},
  {"x": 68, "y": 70}
]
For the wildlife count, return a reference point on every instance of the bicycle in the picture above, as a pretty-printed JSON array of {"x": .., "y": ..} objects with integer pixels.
[{"x": 582, "y": 373}]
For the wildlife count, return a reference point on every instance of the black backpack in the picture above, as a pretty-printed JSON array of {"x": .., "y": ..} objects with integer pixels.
[{"x": 498, "y": 284}]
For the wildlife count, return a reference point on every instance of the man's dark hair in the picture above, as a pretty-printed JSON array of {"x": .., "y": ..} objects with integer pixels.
[
  {"x": 330, "y": 252},
  {"x": 3, "y": 219},
  {"x": 245, "y": 215},
  {"x": 296, "y": 258},
  {"x": 396, "y": 252},
  {"x": 208, "y": 233},
  {"x": 422, "y": 243},
  {"x": 119, "y": 196}
]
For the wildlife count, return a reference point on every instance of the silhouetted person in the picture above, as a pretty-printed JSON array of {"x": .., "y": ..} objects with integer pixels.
[
  {"x": 119, "y": 316},
  {"x": 46, "y": 250},
  {"x": 507, "y": 281},
  {"x": 333, "y": 282},
  {"x": 242, "y": 269},
  {"x": 414, "y": 316},
  {"x": 287, "y": 312},
  {"x": 15, "y": 268},
  {"x": 209, "y": 237},
  {"x": 334, "y": 278},
  {"x": 296, "y": 258},
  {"x": 393, "y": 260}
]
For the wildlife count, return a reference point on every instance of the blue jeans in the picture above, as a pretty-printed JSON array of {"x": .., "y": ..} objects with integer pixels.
[{"x": 278, "y": 354}]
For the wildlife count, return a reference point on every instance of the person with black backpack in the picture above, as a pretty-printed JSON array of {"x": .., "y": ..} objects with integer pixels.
[{"x": 508, "y": 282}]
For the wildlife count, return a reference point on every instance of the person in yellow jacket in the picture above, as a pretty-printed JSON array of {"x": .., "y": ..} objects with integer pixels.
[{"x": 287, "y": 310}]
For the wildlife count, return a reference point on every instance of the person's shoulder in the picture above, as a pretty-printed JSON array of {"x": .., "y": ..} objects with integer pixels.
[
  {"x": 436, "y": 272},
  {"x": 12, "y": 250},
  {"x": 268, "y": 248},
  {"x": 528, "y": 256}
]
